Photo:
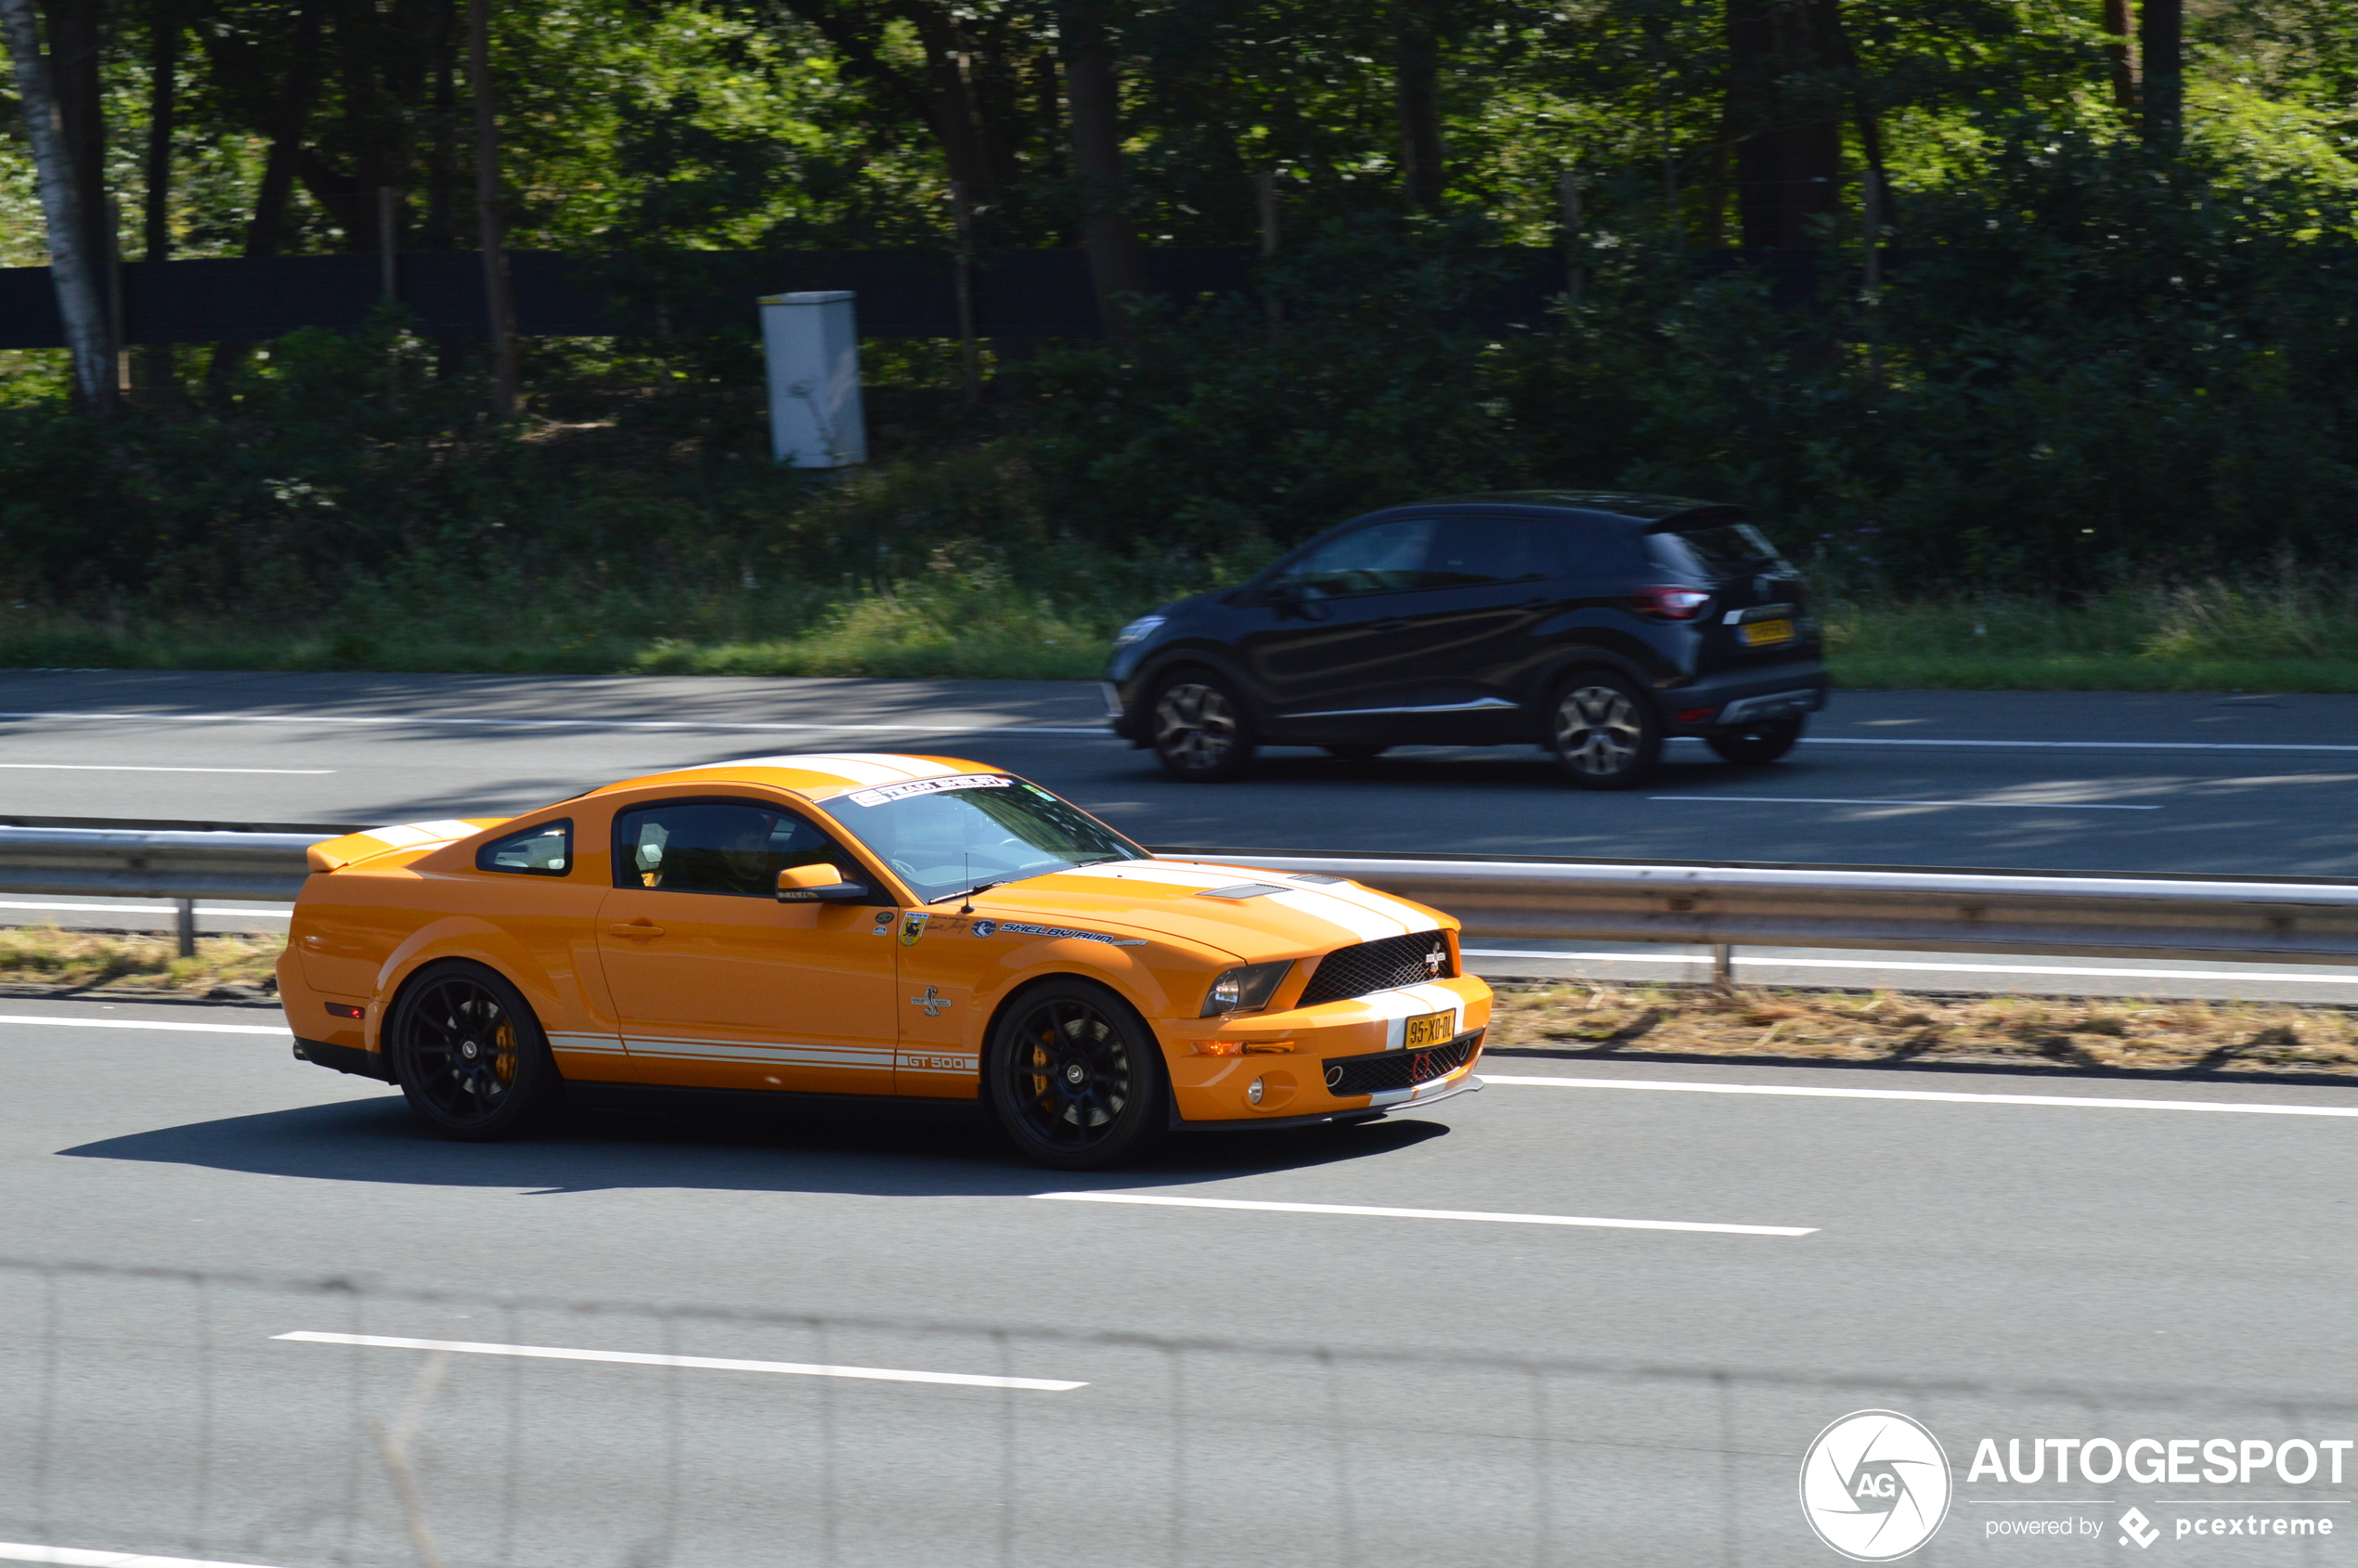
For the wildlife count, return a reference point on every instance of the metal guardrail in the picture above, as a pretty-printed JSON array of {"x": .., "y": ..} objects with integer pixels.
[{"x": 2254, "y": 920}]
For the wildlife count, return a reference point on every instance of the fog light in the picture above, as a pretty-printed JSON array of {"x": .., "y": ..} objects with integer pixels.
[{"x": 1252, "y": 1093}]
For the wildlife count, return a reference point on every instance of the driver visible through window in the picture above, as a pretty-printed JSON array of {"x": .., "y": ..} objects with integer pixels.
[
  {"x": 732, "y": 847},
  {"x": 953, "y": 836}
]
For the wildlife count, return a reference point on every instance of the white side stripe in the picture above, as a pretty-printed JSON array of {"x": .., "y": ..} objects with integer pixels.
[
  {"x": 1380, "y": 1213},
  {"x": 706, "y": 1363},
  {"x": 2092, "y": 1101}
]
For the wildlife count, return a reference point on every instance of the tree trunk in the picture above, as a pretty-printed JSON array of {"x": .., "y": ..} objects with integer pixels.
[
  {"x": 1788, "y": 152},
  {"x": 1416, "y": 104},
  {"x": 154, "y": 366},
  {"x": 290, "y": 121},
  {"x": 499, "y": 301},
  {"x": 955, "y": 116},
  {"x": 2124, "y": 75},
  {"x": 72, "y": 267},
  {"x": 1092, "y": 99},
  {"x": 2161, "y": 45},
  {"x": 81, "y": 97}
]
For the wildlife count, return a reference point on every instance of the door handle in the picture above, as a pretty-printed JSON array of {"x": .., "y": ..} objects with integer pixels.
[
  {"x": 636, "y": 928},
  {"x": 1389, "y": 626}
]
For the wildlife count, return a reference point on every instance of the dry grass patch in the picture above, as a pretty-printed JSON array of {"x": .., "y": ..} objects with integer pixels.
[
  {"x": 45, "y": 956},
  {"x": 1896, "y": 1026}
]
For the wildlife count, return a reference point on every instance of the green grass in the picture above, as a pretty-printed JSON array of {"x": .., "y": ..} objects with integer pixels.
[{"x": 977, "y": 624}]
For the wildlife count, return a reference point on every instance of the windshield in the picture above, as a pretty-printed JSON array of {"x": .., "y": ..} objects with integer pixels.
[{"x": 943, "y": 837}]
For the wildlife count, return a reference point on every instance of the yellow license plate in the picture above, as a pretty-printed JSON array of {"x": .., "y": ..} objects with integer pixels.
[
  {"x": 1759, "y": 633},
  {"x": 1427, "y": 1028}
]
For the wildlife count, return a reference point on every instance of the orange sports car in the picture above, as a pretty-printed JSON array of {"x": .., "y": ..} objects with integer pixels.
[{"x": 868, "y": 924}]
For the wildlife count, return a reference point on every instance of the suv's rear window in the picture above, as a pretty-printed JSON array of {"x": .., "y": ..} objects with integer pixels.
[{"x": 1716, "y": 549}]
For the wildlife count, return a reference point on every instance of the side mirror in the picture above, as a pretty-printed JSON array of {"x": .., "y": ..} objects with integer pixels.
[
  {"x": 1299, "y": 599},
  {"x": 816, "y": 884}
]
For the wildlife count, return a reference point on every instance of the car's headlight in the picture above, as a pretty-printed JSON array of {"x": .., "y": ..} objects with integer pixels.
[
  {"x": 1245, "y": 991},
  {"x": 1138, "y": 630}
]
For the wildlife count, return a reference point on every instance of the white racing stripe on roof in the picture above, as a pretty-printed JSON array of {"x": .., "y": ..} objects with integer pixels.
[
  {"x": 408, "y": 836},
  {"x": 860, "y": 767}
]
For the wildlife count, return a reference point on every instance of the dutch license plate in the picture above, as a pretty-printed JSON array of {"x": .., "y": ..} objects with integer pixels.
[
  {"x": 1427, "y": 1028},
  {"x": 1759, "y": 633}
]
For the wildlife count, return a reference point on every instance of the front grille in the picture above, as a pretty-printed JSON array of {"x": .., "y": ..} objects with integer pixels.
[
  {"x": 1377, "y": 965},
  {"x": 1399, "y": 1070}
]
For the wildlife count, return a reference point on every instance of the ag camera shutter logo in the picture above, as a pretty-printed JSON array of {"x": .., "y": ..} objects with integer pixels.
[{"x": 1875, "y": 1486}]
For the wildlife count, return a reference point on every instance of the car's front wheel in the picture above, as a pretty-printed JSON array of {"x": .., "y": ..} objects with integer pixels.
[
  {"x": 1201, "y": 732},
  {"x": 470, "y": 1056},
  {"x": 1604, "y": 732},
  {"x": 1758, "y": 742},
  {"x": 1075, "y": 1078}
]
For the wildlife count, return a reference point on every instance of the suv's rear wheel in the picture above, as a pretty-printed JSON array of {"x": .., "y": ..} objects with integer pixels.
[
  {"x": 1201, "y": 730},
  {"x": 1758, "y": 742},
  {"x": 1604, "y": 732}
]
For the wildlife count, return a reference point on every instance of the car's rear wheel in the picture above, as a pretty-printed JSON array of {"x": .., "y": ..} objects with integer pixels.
[
  {"x": 470, "y": 1056},
  {"x": 1758, "y": 742},
  {"x": 1355, "y": 753},
  {"x": 1075, "y": 1078},
  {"x": 1604, "y": 732},
  {"x": 1201, "y": 730}
]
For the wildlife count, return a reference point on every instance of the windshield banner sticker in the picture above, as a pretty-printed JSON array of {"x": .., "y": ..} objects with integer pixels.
[{"x": 884, "y": 793}]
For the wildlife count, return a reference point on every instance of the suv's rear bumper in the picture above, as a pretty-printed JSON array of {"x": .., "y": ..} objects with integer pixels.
[{"x": 1746, "y": 697}]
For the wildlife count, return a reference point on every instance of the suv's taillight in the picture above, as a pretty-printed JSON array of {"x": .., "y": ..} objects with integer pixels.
[{"x": 1670, "y": 603}]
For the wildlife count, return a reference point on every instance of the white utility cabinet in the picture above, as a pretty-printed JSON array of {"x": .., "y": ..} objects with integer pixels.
[{"x": 811, "y": 345}]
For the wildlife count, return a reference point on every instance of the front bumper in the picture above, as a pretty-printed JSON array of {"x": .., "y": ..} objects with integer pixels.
[
  {"x": 1289, "y": 1054},
  {"x": 1446, "y": 1089}
]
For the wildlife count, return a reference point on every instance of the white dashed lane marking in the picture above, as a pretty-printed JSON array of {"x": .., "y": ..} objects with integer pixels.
[{"x": 1370, "y": 1212}]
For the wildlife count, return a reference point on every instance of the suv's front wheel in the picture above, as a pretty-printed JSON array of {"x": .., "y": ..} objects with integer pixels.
[
  {"x": 1200, "y": 730},
  {"x": 1604, "y": 732}
]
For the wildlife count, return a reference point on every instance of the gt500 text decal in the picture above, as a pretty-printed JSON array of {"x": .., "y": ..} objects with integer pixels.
[{"x": 1017, "y": 928}]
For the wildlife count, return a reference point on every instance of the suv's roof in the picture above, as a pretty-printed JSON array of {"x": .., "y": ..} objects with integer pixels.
[{"x": 1619, "y": 503}]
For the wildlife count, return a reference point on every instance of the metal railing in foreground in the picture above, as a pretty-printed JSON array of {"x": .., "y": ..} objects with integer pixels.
[
  {"x": 2256, "y": 920},
  {"x": 297, "y": 1423}
]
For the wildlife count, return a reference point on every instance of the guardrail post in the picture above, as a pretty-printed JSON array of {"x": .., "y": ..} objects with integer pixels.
[
  {"x": 184, "y": 918},
  {"x": 1723, "y": 965}
]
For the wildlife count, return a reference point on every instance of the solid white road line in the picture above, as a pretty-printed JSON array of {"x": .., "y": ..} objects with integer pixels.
[
  {"x": 708, "y": 1363},
  {"x": 1380, "y": 1213},
  {"x": 2066, "y": 969},
  {"x": 2095, "y": 1101},
  {"x": 587, "y": 725},
  {"x": 127, "y": 768},
  {"x": 279, "y": 912},
  {"x": 74, "y": 1556},
  {"x": 146, "y": 1023},
  {"x": 1839, "y": 800},
  {"x": 2081, "y": 746}
]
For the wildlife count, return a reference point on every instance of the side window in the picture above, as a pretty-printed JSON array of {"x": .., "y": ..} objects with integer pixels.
[
  {"x": 1470, "y": 550},
  {"x": 730, "y": 847},
  {"x": 1383, "y": 559},
  {"x": 544, "y": 850}
]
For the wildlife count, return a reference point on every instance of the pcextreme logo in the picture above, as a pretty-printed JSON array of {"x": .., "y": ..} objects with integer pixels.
[{"x": 1875, "y": 1485}]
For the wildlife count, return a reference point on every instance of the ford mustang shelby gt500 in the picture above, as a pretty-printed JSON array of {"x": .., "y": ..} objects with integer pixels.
[{"x": 867, "y": 924}]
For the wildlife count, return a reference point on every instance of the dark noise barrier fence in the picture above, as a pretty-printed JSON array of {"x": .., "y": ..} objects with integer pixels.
[
  {"x": 909, "y": 293},
  {"x": 183, "y": 1419}
]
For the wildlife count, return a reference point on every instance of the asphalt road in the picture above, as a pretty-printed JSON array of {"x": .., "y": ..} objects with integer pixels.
[
  {"x": 1492, "y": 1391},
  {"x": 2068, "y": 781}
]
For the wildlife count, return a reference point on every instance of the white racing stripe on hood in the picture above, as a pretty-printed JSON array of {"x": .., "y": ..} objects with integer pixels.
[
  {"x": 1364, "y": 925},
  {"x": 1382, "y": 903},
  {"x": 1396, "y": 1007}
]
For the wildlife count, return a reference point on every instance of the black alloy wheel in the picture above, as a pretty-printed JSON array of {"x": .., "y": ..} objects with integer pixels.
[
  {"x": 1201, "y": 730},
  {"x": 1074, "y": 1077},
  {"x": 1755, "y": 743},
  {"x": 1604, "y": 732},
  {"x": 469, "y": 1056},
  {"x": 1355, "y": 753}
]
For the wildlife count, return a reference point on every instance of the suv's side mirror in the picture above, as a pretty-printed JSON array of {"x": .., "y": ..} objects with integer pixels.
[
  {"x": 1300, "y": 599},
  {"x": 816, "y": 884}
]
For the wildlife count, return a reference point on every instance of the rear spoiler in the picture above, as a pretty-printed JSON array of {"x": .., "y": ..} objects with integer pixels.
[{"x": 334, "y": 854}]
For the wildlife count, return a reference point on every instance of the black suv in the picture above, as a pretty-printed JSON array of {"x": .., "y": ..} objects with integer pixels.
[{"x": 1593, "y": 625}]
